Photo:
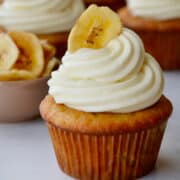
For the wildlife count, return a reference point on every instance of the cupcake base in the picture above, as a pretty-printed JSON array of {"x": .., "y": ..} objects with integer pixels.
[
  {"x": 106, "y": 146},
  {"x": 161, "y": 38},
  {"x": 107, "y": 157},
  {"x": 59, "y": 40}
]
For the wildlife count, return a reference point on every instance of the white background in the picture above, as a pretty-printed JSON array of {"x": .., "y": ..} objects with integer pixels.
[{"x": 26, "y": 152}]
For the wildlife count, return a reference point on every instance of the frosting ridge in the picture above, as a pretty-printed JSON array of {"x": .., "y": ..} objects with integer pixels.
[{"x": 118, "y": 78}]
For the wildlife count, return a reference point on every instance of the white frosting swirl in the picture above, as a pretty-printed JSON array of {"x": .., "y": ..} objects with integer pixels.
[
  {"x": 120, "y": 77},
  {"x": 40, "y": 16},
  {"x": 155, "y": 9}
]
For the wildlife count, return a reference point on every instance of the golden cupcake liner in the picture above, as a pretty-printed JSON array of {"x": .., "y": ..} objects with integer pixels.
[
  {"x": 107, "y": 156},
  {"x": 164, "y": 46}
]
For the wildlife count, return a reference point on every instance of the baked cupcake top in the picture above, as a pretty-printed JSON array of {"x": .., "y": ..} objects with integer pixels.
[
  {"x": 155, "y": 9},
  {"x": 106, "y": 76},
  {"x": 40, "y": 16}
]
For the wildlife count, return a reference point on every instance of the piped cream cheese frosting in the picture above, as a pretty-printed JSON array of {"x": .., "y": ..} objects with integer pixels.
[
  {"x": 40, "y": 16},
  {"x": 119, "y": 78},
  {"x": 155, "y": 9}
]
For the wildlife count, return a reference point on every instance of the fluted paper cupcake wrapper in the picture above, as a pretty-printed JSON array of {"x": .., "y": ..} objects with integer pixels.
[{"x": 107, "y": 157}]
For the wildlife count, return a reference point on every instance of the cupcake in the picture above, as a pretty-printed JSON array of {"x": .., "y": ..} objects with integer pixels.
[
  {"x": 25, "y": 66},
  {"x": 114, "y": 4},
  {"x": 50, "y": 20},
  {"x": 105, "y": 111},
  {"x": 158, "y": 24}
]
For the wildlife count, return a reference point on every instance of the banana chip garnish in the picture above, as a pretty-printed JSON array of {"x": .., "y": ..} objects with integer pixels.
[{"x": 94, "y": 29}]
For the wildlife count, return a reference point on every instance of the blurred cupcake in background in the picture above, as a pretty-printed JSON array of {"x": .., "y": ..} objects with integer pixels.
[
  {"x": 50, "y": 20},
  {"x": 158, "y": 24},
  {"x": 114, "y": 4}
]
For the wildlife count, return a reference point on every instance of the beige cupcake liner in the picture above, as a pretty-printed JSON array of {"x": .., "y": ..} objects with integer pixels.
[{"x": 107, "y": 157}]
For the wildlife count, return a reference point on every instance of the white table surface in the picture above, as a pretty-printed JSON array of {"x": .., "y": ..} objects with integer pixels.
[{"x": 26, "y": 152}]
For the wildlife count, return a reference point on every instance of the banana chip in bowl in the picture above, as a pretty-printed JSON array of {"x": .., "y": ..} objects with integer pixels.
[{"x": 25, "y": 66}]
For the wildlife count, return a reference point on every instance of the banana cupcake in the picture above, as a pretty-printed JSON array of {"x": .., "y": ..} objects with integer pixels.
[
  {"x": 50, "y": 20},
  {"x": 105, "y": 110},
  {"x": 114, "y": 4},
  {"x": 158, "y": 24}
]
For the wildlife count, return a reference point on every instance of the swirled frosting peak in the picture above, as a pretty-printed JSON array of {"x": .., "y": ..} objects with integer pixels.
[
  {"x": 155, "y": 9},
  {"x": 40, "y": 16},
  {"x": 119, "y": 78}
]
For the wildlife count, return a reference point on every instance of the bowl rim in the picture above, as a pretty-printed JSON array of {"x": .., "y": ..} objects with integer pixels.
[{"x": 25, "y": 81}]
